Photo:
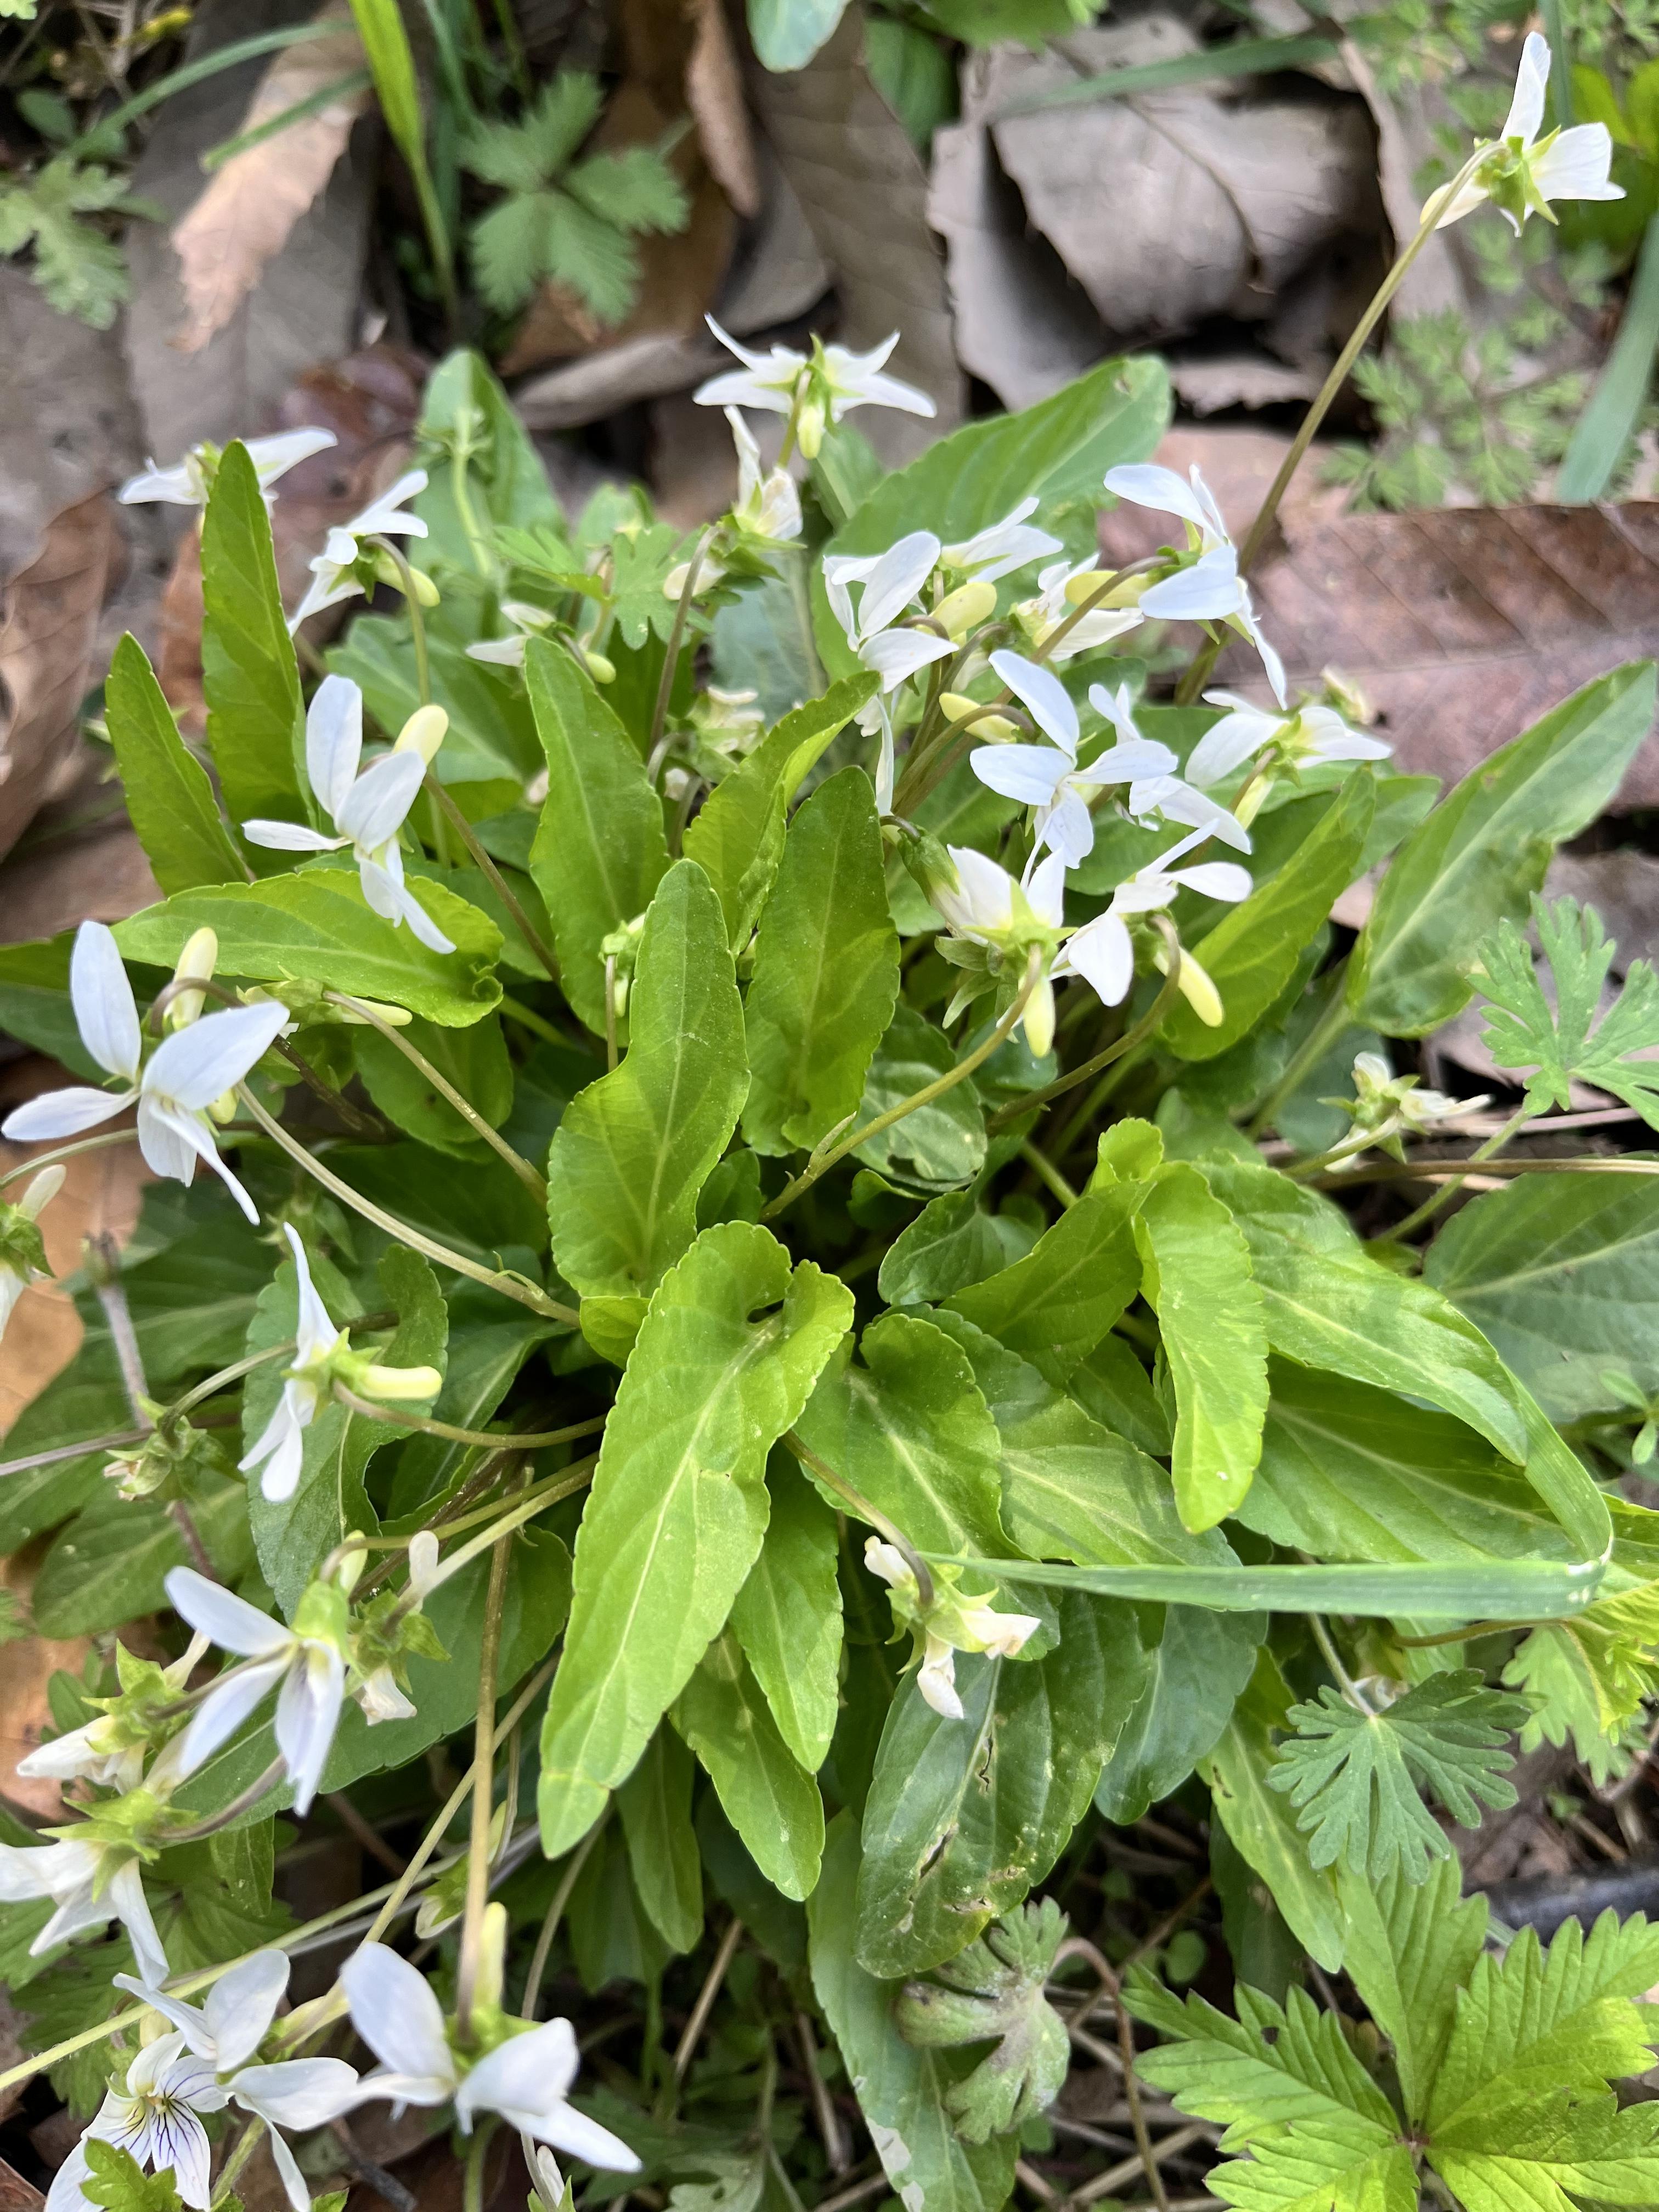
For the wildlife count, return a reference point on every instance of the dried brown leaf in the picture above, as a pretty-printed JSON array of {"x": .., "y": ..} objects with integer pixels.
[
  {"x": 714, "y": 92},
  {"x": 1462, "y": 625},
  {"x": 250, "y": 205},
  {"x": 48, "y": 631},
  {"x": 865, "y": 193}
]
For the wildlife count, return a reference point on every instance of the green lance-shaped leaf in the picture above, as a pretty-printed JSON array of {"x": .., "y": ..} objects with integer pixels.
[
  {"x": 1355, "y": 1777},
  {"x": 655, "y": 1805},
  {"x": 678, "y": 1506},
  {"x": 634, "y": 1148},
  {"x": 600, "y": 852},
  {"x": 902, "y": 2091},
  {"x": 315, "y": 927},
  {"x": 168, "y": 793},
  {"x": 826, "y": 971},
  {"x": 1071, "y": 1488},
  {"x": 1352, "y": 1473},
  {"x": 1478, "y": 856},
  {"x": 1329, "y": 1306},
  {"x": 1251, "y": 953},
  {"x": 764, "y": 1791},
  {"x": 953, "y": 1243},
  {"x": 1261, "y": 1824},
  {"x": 256, "y": 723},
  {"x": 1561, "y": 1273},
  {"x": 1199, "y": 1283},
  {"x": 738, "y": 832},
  {"x": 788, "y": 1615},
  {"x": 964, "y": 1815},
  {"x": 909, "y": 1427},
  {"x": 1201, "y": 1662},
  {"x": 294, "y": 1535},
  {"x": 111, "y": 1563},
  {"x": 1054, "y": 1306}
]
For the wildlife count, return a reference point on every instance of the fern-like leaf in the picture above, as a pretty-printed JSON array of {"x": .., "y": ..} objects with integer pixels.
[
  {"x": 635, "y": 190},
  {"x": 1523, "y": 1031},
  {"x": 1355, "y": 1777}
]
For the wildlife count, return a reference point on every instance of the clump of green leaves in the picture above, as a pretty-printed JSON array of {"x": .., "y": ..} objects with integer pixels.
[
  {"x": 1502, "y": 2067},
  {"x": 77, "y": 263},
  {"x": 568, "y": 219},
  {"x": 1354, "y": 1775},
  {"x": 1459, "y": 409},
  {"x": 993, "y": 1992},
  {"x": 1565, "y": 1043}
]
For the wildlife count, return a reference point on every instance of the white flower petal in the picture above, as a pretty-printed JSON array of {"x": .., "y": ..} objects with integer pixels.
[
  {"x": 228, "y": 1620},
  {"x": 1030, "y": 774},
  {"x": 195, "y": 1066},
  {"x": 1043, "y": 693},
  {"x": 289, "y": 837},
  {"x": 1068, "y": 827},
  {"x": 1143, "y": 483},
  {"x": 226, "y": 1706},
  {"x": 307, "y": 1714},
  {"x": 1208, "y": 591},
  {"x": 1229, "y": 742},
  {"x": 316, "y": 1333},
  {"x": 334, "y": 741},
  {"x": 735, "y": 387},
  {"x": 569, "y": 2130},
  {"x": 1102, "y": 954},
  {"x": 895, "y": 579},
  {"x": 883, "y": 392},
  {"x": 274, "y": 456},
  {"x": 894, "y": 654},
  {"x": 126, "y": 1897},
  {"x": 421, "y": 924},
  {"x": 374, "y": 808},
  {"x": 297, "y": 2092},
  {"x": 1045, "y": 890},
  {"x": 288, "y": 2169},
  {"x": 1575, "y": 167},
  {"x": 1217, "y": 879},
  {"x": 242, "y": 2004},
  {"x": 105, "y": 1012},
  {"x": 1531, "y": 83},
  {"x": 528, "y": 2074},
  {"x": 394, "y": 2010},
  {"x": 65, "y": 1113}
]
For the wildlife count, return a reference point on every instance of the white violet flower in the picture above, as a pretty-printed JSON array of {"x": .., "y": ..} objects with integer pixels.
[
  {"x": 321, "y": 1351},
  {"x": 189, "y": 483},
  {"x": 22, "y": 1255},
  {"x": 1102, "y": 950},
  {"x": 1311, "y": 733},
  {"x": 156, "y": 2115},
  {"x": 91, "y": 1883},
  {"x": 367, "y": 810},
  {"x": 953, "y": 1623},
  {"x": 110, "y": 1751},
  {"x": 508, "y": 652},
  {"x": 1057, "y": 602},
  {"x": 1047, "y": 777},
  {"x": 891, "y": 583},
  {"x": 225, "y": 2034},
  {"x": 768, "y": 505},
  {"x": 814, "y": 389},
  {"x": 1166, "y": 794},
  {"x": 1521, "y": 174},
  {"x": 523, "y": 2079},
  {"x": 1208, "y": 588},
  {"x": 184, "y": 1075},
  {"x": 308, "y": 1660},
  {"x": 1007, "y": 545},
  {"x": 333, "y": 573}
]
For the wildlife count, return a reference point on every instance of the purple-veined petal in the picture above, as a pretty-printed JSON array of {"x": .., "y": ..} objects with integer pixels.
[
  {"x": 105, "y": 1012},
  {"x": 1043, "y": 693},
  {"x": 334, "y": 741},
  {"x": 394, "y": 2010}
]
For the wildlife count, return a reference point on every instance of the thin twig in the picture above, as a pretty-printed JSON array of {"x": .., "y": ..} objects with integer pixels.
[
  {"x": 706, "y": 1996},
  {"x": 352, "y": 1821},
  {"x": 832, "y": 2134},
  {"x": 445, "y": 1089}
]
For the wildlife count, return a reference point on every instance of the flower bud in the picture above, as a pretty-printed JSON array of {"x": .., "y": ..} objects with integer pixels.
[
  {"x": 426, "y": 592},
  {"x": 40, "y": 1190},
  {"x": 1038, "y": 1019},
  {"x": 809, "y": 429},
  {"x": 989, "y": 729},
  {"x": 349, "y": 1572},
  {"x": 1083, "y": 586},
  {"x": 196, "y": 963},
  {"x": 423, "y": 1562},
  {"x": 1199, "y": 992},
  {"x": 966, "y": 607},
  {"x": 423, "y": 732},
  {"x": 393, "y": 1382},
  {"x": 602, "y": 671}
]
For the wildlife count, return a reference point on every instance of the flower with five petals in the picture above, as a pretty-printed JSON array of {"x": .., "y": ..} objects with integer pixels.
[{"x": 1520, "y": 173}]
